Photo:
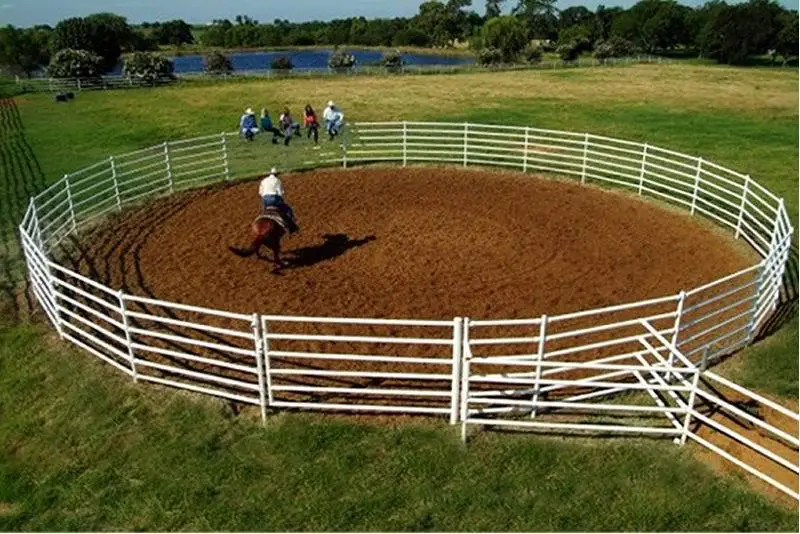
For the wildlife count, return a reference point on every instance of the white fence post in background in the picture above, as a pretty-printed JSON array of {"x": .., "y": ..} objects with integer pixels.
[
  {"x": 258, "y": 344},
  {"x": 696, "y": 185},
  {"x": 79, "y": 84},
  {"x": 539, "y": 358},
  {"x": 466, "y": 143},
  {"x": 525, "y": 151},
  {"x": 265, "y": 352},
  {"x": 225, "y": 156},
  {"x": 585, "y": 157},
  {"x": 345, "y": 134},
  {"x": 405, "y": 143},
  {"x": 690, "y": 407},
  {"x": 466, "y": 354},
  {"x": 742, "y": 206},
  {"x": 643, "y": 169},
  {"x": 70, "y": 202},
  {"x": 116, "y": 182},
  {"x": 128, "y": 338},
  {"x": 675, "y": 335},
  {"x": 169, "y": 166},
  {"x": 456, "y": 380},
  {"x": 751, "y": 324},
  {"x": 783, "y": 259}
]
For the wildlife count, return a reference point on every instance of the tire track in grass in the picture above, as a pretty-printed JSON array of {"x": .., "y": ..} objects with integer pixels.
[{"x": 21, "y": 177}]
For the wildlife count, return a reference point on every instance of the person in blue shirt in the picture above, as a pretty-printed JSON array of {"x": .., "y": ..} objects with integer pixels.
[
  {"x": 267, "y": 126},
  {"x": 247, "y": 124}
]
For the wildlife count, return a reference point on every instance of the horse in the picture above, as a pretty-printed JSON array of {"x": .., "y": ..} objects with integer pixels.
[{"x": 268, "y": 229}]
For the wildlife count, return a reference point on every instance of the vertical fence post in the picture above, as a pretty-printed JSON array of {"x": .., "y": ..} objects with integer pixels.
[
  {"x": 525, "y": 150},
  {"x": 696, "y": 189},
  {"x": 466, "y": 143},
  {"x": 676, "y": 333},
  {"x": 466, "y": 355},
  {"x": 225, "y": 156},
  {"x": 455, "y": 407},
  {"x": 265, "y": 352},
  {"x": 116, "y": 182},
  {"x": 690, "y": 407},
  {"x": 783, "y": 251},
  {"x": 539, "y": 358},
  {"x": 585, "y": 157},
  {"x": 742, "y": 206},
  {"x": 258, "y": 344},
  {"x": 643, "y": 169},
  {"x": 128, "y": 338},
  {"x": 405, "y": 143},
  {"x": 169, "y": 166},
  {"x": 345, "y": 135},
  {"x": 751, "y": 324},
  {"x": 70, "y": 202},
  {"x": 50, "y": 84},
  {"x": 79, "y": 84}
]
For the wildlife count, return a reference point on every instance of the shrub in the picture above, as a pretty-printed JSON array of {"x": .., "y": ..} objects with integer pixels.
[
  {"x": 71, "y": 63},
  {"x": 149, "y": 67},
  {"x": 570, "y": 50},
  {"x": 507, "y": 34},
  {"x": 615, "y": 46},
  {"x": 282, "y": 63},
  {"x": 340, "y": 60},
  {"x": 218, "y": 63},
  {"x": 490, "y": 56},
  {"x": 533, "y": 53},
  {"x": 393, "y": 61}
]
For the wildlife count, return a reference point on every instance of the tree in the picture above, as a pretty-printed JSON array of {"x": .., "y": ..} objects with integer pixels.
[
  {"x": 743, "y": 30},
  {"x": 71, "y": 63},
  {"x": 507, "y": 34},
  {"x": 654, "y": 25},
  {"x": 493, "y": 8},
  {"x": 787, "y": 42},
  {"x": 574, "y": 16},
  {"x": 341, "y": 61},
  {"x": 147, "y": 66},
  {"x": 23, "y": 51},
  {"x": 615, "y": 46},
  {"x": 174, "y": 32},
  {"x": 217, "y": 63},
  {"x": 104, "y": 34},
  {"x": 539, "y": 17}
]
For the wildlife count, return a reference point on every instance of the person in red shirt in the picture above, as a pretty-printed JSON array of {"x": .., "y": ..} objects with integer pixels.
[{"x": 311, "y": 122}]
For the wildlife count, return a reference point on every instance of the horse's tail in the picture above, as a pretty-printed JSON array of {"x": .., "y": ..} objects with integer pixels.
[{"x": 249, "y": 251}]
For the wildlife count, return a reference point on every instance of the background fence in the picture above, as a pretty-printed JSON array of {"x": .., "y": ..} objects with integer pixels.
[
  {"x": 632, "y": 368},
  {"x": 45, "y": 84}
]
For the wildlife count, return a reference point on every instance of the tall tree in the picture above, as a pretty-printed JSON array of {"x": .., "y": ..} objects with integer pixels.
[
  {"x": 540, "y": 16},
  {"x": 105, "y": 34},
  {"x": 23, "y": 51},
  {"x": 493, "y": 8}
]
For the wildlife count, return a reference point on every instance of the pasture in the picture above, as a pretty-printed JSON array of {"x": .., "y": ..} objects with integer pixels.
[{"x": 308, "y": 472}]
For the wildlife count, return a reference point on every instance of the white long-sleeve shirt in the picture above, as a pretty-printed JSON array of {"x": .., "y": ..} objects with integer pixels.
[
  {"x": 271, "y": 185},
  {"x": 331, "y": 114}
]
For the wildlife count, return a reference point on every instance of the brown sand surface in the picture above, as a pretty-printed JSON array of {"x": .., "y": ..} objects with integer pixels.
[{"x": 413, "y": 243}]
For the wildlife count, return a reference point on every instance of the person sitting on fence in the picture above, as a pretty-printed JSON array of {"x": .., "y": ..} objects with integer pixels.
[
  {"x": 288, "y": 126},
  {"x": 312, "y": 124},
  {"x": 247, "y": 124},
  {"x": 334, "y": 119},
  {"x": 268, "y": 127},
  {"x": 271, "y": 192}
]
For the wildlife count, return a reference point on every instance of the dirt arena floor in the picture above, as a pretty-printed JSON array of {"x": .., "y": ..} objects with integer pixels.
[{"x": 414, "y": 243}]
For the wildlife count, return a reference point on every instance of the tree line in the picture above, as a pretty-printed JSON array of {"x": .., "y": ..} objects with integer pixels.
[{"x": 510, "y": 31}]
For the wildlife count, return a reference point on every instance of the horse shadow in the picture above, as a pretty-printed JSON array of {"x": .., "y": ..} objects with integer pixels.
[{"x": 333, "y": 246}]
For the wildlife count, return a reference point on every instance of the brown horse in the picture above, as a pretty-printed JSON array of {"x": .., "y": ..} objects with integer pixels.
[{"x": 267, "y": 230}]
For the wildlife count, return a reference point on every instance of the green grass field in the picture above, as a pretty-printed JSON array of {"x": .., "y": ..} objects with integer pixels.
[{"x": 82, "y": 448}]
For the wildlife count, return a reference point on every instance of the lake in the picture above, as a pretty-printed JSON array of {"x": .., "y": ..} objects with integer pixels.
[{"x": 307, "y": 59}]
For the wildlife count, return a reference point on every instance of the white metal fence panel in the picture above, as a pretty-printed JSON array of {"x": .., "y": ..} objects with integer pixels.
[{"x": 375, "y": 365}]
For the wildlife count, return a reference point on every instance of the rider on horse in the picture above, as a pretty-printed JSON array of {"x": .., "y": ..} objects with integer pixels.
[{"x": 271, "y": 192}]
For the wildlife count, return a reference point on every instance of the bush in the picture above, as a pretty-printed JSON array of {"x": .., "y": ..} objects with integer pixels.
[
  {"x": 393, "y": 61},
  {"x": 71, "y": 63},
  {"x": 615, "y": 46},
  {"x": 282, "y": 63},
  {"x": 148, "y": 67},
  {"x": 490, "y": 56},
  {"x": 340, "y": 60},
  {"x": 218, "y": 63},
  {"x": 570, "y": 50},
  {"x": 506, "y": 34},
  {"x": 533, "y": 53}
]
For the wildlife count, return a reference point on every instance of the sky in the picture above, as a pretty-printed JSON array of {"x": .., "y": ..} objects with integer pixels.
[{"x": 30, "y": 12}]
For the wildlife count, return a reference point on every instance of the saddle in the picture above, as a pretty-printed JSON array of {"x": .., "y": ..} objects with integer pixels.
[{"x": 274, "y": 214}]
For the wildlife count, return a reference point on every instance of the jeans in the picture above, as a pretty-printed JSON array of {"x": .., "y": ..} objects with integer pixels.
[
  {"x": 313, "y": 129},
  {"x": 275, "y": 134},
  {"x": 277, "y": 201},
  {"x": 333, "y": 127}
]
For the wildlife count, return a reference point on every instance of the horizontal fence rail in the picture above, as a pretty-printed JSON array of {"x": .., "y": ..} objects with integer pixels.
[{"x": 633, "y": 368}]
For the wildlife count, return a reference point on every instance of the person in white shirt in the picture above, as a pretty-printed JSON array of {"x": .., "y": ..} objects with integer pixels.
[
  {"x": 248, "y": 125},
  {"x": 271, "y": 192},
  {"x": 333, "y": 118}
]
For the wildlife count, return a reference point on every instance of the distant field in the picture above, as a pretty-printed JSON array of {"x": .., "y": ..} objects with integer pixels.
[{"x": 80, "y": 448}]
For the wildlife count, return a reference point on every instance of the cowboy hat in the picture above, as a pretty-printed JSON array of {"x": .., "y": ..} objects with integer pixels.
[
  {"x": 273, "y": 170},
  {"x": 249, "y": 111},
  {"x": 330, "y": 103}
]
